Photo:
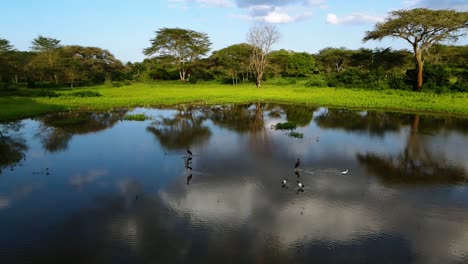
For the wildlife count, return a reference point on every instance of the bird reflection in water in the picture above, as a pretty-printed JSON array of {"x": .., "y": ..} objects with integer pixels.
[
  {"x": 189, "y": 177},
  {"x": 297, "y": 174}
]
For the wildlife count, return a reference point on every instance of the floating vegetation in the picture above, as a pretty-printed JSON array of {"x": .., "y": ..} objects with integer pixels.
[
  {"x": 136, "y": 117},
  {"x": 86, "y": 94},
  {"x": 285, "y": 126},
  {"x": 296, "y": 135}
]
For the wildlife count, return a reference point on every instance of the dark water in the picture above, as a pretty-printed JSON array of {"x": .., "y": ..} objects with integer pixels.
[{"x": 90, "y": 188}]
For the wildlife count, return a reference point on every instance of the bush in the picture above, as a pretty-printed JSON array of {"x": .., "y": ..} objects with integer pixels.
[
  {"x": 398, "y": 83},
  {"x": 46, "y": 93},
  {"x": 193, "y": 80},
  {"x": 127, "y": 82},
  {"x": 316, "y": 81},
  {"x": 86, "y": 94},
  {"x": 116, "y": 84}
]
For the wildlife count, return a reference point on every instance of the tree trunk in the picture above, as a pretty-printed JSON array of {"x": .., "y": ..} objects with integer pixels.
[
  {"x": 420, "y": 63},
  {"x": 259, "y": 80}
]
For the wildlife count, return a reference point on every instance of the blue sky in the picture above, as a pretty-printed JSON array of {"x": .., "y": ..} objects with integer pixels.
[{"x": 125, "y": 27}]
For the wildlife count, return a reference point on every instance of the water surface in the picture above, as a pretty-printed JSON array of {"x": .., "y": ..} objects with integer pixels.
[{"x": 92, "y": 188}]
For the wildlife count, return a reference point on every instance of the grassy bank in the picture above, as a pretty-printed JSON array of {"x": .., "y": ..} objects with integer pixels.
[{"x": 172, "y": 93}]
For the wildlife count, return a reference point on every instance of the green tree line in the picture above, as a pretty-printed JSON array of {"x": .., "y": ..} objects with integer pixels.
[{"x": 182, "y": 54}]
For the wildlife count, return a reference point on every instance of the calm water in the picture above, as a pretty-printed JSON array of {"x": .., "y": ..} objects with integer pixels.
[{"x": 91, "y": 188}]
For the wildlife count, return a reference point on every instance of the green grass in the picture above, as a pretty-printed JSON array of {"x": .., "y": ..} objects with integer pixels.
[{"x": 173, "y": 93}]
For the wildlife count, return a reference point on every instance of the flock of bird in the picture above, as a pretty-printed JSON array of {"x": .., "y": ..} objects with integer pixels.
[
  {"x": 284, "y": 183},
  {"x": 300, "y": 185}
]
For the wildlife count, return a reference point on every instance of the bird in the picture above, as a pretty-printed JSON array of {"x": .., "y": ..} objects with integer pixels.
[
  {"x": 300, "y": 185},
  {"x": 283, "y": 183},
  {"x": 189, "y": 152},
  {"x": 344, "y": 172},
  {"x": 189, "y": 168},
  {"x": 297, "y": 164}
]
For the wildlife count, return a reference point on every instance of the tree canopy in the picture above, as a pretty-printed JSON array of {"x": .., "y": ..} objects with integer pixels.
[
  {"x": 261, "y": 38},
  {"x": 183, "y": 45},
  {"x": 421, "y": 28}
]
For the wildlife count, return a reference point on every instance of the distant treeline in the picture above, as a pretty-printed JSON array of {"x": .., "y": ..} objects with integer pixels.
[
  {"x": 49, "y": 64},
  {"x": 445, "y": 68}
]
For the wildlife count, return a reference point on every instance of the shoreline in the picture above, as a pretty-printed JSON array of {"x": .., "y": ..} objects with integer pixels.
[{"x": 171, "y": 94}]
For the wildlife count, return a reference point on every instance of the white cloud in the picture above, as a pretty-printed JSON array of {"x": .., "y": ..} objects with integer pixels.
[
  {"x": 269, "y": 11},
  {"x": 79, "y": 180},
  {"x": 216, "y": 3},
  {"x": 274, "y": 15},
  {"x": 461, "y": 5},
  {"x": 353, "y": 19}
]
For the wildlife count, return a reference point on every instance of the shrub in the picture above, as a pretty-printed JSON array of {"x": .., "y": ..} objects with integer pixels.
[
  {"x": 116, "y": 84},
  {"x": 127, "y": 82},
  {"x": 86, "y": 94},
  {"x": 317, "y": 81},
  {"x": 46, "y": 93}
]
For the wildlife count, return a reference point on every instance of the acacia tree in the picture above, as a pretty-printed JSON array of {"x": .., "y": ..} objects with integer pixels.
[
  {"x": 5, "y": 46},
  {"x": 49, "y": 47},
  {"x": 421, "y": 27},
  {"x": 334, "y": 59},
  {"x": 183, "y": 45},
  {"x": 261, "y": 38}
]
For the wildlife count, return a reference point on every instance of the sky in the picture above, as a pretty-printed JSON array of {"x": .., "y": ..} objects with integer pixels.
[{"x": 125, "y": 27}]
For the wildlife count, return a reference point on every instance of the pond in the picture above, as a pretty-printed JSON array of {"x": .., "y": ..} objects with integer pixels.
[{"x": 92, "y": 187}]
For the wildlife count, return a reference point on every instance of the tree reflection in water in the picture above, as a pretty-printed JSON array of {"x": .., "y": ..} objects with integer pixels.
[
  {"x": 182, "y": 130},
  {"x": 416, "y": 165},
  {"x": 58, "y": 129},
  {"x": 12, "y": 146}
]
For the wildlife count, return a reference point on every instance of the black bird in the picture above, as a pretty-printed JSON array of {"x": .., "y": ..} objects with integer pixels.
[
  {"x": 297, "y": 164},
  {"x": 189, "y": 152}
]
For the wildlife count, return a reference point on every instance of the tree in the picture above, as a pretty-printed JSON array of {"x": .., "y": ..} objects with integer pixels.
[
  {"x": 334, "y": 58},
  {"x": 183, "y": 45},
  {"x": 5, "y": 46},
  {"x": 300, "y": 64},
  {"x": 234, "y": 60},
  {"x": 261, "y": 38},
  {"x": 50, "y": 48},
  {"x": 422, "y": 28}
]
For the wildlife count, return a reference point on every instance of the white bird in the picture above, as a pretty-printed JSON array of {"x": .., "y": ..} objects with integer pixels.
[
  {"x": 344, "y": 172},
  {"x": 284, "y": 182},
  {"x": 300, "y": 185}
]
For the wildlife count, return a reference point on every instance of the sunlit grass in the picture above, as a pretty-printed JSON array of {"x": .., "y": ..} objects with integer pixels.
[{"x": 173, "y": 93}]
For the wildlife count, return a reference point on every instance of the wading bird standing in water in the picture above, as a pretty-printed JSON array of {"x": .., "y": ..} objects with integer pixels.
[{"x": 344, "y": 172}]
